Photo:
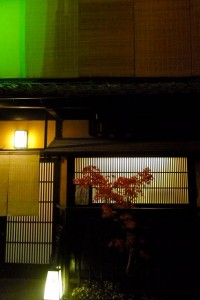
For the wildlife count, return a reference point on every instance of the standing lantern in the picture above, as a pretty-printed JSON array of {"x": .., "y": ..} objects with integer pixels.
[{"x": 53, "y": 287}]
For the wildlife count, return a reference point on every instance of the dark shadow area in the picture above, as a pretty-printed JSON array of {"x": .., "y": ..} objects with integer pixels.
[
  {"x": 172, "y": 272},
  {"x": 22, "y": 281}
]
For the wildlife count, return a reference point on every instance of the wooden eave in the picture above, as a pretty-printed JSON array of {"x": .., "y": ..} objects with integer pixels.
[{"x": 88, "y": 146}]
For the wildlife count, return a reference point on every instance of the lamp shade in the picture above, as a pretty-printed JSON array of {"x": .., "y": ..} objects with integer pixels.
[
  {"x": 53, "y": 286},
  {"x": 21, "y": 139}
]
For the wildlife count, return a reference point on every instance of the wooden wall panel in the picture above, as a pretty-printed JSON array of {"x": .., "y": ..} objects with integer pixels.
[
  {"x": 106, "y": 38},
  {"x": 162, "y": 38},
  {"x": 51, "y": 38},
  {"x": 112, "y": 38},
  {"x": 195, "y": 33}
]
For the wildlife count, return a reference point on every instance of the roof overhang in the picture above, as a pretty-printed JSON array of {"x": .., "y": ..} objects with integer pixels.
[
  {"x": 88, "y": 146},
  {"x": 83, "y": 98}
]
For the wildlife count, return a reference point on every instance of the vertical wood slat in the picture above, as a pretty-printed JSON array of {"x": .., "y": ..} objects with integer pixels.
[{"x": 29, "y": 238}]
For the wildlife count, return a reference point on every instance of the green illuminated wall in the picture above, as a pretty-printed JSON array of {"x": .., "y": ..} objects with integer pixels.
[
  {"x": 37, "y": 39},
  {"x": 12, "y": 38}
]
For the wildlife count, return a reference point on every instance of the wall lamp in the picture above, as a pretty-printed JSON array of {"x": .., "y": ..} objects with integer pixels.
[{"x": 21, "y": 139}]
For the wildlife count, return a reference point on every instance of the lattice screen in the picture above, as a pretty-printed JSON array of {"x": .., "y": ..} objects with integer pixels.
[
  {"x": 29, "y": 238},
  {"x": 170, "y": 176}
]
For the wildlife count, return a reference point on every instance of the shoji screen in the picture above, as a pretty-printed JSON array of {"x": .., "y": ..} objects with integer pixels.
[{"x": 170, "y": 176}]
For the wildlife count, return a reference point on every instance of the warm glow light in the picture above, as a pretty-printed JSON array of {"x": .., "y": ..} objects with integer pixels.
[
  {"x": 53, "y": 286},
  {"x": 20, "y": 139}
]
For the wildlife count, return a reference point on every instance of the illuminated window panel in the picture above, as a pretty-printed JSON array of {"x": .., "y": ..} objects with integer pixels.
[{"x": 170, "y": 176}]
